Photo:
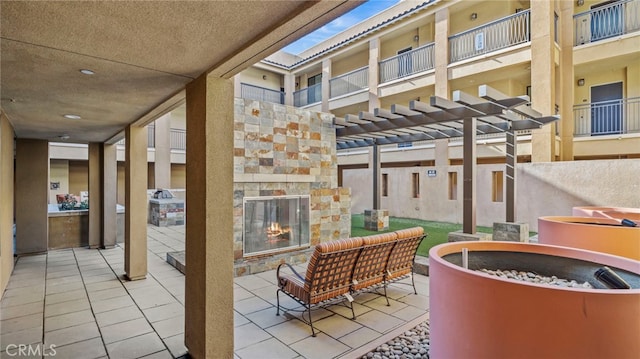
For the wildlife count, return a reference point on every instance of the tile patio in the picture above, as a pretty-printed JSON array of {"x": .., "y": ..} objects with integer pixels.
[{"x": 78, "y": 300}]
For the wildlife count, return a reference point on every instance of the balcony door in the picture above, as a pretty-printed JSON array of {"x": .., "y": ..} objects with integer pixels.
[{"x": 606, "y": 109}]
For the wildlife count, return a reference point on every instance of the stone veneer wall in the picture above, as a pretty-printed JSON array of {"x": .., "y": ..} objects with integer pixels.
[{"x": 282, "y": 150}]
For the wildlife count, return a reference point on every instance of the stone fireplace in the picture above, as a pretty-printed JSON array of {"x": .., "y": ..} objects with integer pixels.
[{"x": 286, "y": 195}]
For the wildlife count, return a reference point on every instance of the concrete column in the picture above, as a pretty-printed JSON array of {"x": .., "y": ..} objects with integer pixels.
[
  {"x": 209, "y": 228},
  {"x": 374, "y": 58},
  {"x": 95, "y": 195},
  {"x": 289, "y": 88},
  {"x": 7, "y": 203},
  {"x": 442, "y": 152},
  {"x": 566, "y": 80},
  {"x": 109, "y": 181},
  {"x": 543, "y": 71},
  {"x": 162, "y": 165},
  {"x": 326, "y": 76},
  {"x": 32, "y": 196},
  {"x": 442, "y": 53},
  {"x": 135, "y": 201}
]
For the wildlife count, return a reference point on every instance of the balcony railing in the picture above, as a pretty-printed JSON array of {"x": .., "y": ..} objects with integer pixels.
[
  {"x": 258, "y": 93},
  {"x": 619, "y": 18},
  {"x": 151, "y": 136},
  {"x": 607, "y": 117},
  {"x": 178, "y": 139},
  {"x": 408, "y": 63},
  {"x": 502, "y": 33},
  {"x": 353, "y": 81},
  {"x": 307, "y": 96}
]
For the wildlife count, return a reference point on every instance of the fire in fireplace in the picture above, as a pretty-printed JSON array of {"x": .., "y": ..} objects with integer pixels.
[{"x": 275, "y": 223}]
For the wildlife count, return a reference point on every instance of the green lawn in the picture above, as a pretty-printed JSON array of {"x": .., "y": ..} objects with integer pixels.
[{"x": 436, "y": 231}]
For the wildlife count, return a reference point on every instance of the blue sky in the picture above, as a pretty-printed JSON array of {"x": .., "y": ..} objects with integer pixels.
[{"x": 347, "y": 20}]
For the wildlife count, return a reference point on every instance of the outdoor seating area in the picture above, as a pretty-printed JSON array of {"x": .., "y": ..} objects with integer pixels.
[
  {"x": 340, "y": 269},
  {"x": 77, "y": 302}
]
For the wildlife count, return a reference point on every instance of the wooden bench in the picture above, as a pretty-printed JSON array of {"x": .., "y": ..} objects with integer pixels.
[{"x": 340, "y": 269}]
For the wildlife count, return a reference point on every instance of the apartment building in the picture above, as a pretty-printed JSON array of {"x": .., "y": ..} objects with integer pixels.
[{"x": 575, "y": 59}]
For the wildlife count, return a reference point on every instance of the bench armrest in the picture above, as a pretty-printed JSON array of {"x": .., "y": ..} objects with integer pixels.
[{"x": 283, "y": 281}]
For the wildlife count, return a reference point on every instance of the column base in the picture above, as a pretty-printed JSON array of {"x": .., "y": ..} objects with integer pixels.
[
  {"x": 376, "y": 219},
  {"x": 459, "y": 236},
  {"x": 135, "y": 277}
]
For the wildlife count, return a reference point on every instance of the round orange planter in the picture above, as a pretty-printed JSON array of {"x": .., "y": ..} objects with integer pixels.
[
  {"x": 477, "y": 315},
  {"x": 593, "y": 233}
]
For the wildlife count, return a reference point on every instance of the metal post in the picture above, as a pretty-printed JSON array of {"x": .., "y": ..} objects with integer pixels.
[
  {"x": 469, "y": 174},
  {"x": 376, "y": 176},
  {"x": 512, "y": 160}
]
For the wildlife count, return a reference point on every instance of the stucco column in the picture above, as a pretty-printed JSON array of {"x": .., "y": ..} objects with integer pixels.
[
  {"x": 135, "y": 202},
  {"x": 543, "y": 74},
  {"x": 237, "y": 86},
  {"x": 374, "y": 58},
  {"x": 32, "y": 195},
  {"x": 209, "y": 228},
  {"x": 326, "y": 90},
  {"x": 442, "y": 53},
  {"x": 566, "y": 80},
  {"x": 95, "y": 195},
  {"x": 7, "y": 203},
  {"x": 109, "y": 181},
  {"x": 162, "y": 165},
  {"x": 289, "y": 88}
]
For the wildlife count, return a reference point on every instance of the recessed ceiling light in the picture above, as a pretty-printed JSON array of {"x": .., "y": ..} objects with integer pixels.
[
  {"x": 87, "y": 72},
  {"x": 72, "y": 117},
  {"x": 64, "y": 137}
]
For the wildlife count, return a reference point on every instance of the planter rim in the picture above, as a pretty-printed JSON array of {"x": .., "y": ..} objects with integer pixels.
[{"x": 437, "y": 252}]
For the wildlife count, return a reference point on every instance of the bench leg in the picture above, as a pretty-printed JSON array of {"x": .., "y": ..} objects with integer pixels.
[
  {"x": 413, "y": 284},
  {"x": 278, "y": 302},
  {"x": 313, "y": 331}
]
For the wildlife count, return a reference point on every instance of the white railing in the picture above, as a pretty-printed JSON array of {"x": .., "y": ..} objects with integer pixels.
[
  {"x": 499, "y": 34},
  {"x": 408, "y": 63},
  {"x": 178, "y": 139},
  {"x": 307, "y": 96},
  {"x": 353, "y": 81},
  {"x": 258, "y": 93},
  {"x": 618, "y": 18},
  {"x": 607, "y": 117}
]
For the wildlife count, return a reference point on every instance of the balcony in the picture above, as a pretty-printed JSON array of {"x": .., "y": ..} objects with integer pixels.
[
  {"x": 308, "y": 96},
  {"x": 607, "y": 117},
  {"x": 496, "y": 35},
  {"x": 178, "y": 139},
  {"x": 408, "y": 63},
  {"x": 350, "y": 82},
  {"x": 258, "y": 93},
  {"x": 616, "y": 19}
]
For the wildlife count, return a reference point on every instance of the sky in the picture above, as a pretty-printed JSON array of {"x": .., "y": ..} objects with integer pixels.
[{"x": 342, "y": 23}]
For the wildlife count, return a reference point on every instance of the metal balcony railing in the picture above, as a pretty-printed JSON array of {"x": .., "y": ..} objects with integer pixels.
[
  {"x": 607, "y": 117},
  {"x": 258, "y": 93},
  {"x": 618, "y": 18},
  {"x": 353, "y": 81},
  {"x": 499, "y": 34},
  {"x": 408, "y": 63},
  {"x": 307, "y": 96},
  {"x": 178, "y": 139},
  {"x": 151, "y": 136}
]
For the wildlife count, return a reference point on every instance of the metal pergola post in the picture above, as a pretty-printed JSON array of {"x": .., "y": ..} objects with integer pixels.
[
  {"x": 376, "y": 176},
  {"x": 469, "y": 174},
  {"x": 512, "y": 160}
]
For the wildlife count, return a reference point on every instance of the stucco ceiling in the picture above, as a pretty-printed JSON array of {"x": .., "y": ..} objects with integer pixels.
[{"x": 142, "y": 54}]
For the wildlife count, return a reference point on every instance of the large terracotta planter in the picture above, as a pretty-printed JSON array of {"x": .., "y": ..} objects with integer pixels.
[
  {"x": 593, "y": 233},
  {"x": 477, "y": 315}
]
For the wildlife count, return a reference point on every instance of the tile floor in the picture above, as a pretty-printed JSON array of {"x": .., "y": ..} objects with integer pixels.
[{"x": 77, "y": 303}]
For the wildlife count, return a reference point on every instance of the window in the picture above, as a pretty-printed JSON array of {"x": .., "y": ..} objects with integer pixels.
[
  {"x": 385, "y": 185},
  {"x": 415, "y": 181},
  {"x": 453, "y": 186},
  {"x": 497, "y": 186}
]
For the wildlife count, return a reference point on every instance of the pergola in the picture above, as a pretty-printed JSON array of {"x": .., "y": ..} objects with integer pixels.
[{"x": 465, "y": 116}]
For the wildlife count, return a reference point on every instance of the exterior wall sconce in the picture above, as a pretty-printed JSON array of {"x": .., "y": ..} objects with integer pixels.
[
  {"x": 264, "y": 77},
  {"x": 474, "y": 15},
  {"x": 581, "y": 82},
  {"x": 580, "y": 2},
  {"x": 416, "y": 38}
]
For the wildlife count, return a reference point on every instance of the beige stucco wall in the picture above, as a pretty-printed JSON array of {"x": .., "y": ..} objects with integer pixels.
[
  {"x": 6, "y": 201},
  {"x": 543, "y": 189}
]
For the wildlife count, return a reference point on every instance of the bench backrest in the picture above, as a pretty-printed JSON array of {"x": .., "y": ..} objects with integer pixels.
[
  {"x": 404, "y": 252},
  {"x": 330, "y": 268},
  {"x": 372, "y": 262}
]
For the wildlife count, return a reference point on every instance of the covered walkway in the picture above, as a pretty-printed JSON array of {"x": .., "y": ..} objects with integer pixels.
[{"x": 77, "y": 302}]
